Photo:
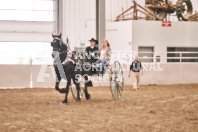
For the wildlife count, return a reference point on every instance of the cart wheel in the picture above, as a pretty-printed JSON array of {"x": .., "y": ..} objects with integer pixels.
[
  {"x": 105, "y": 77},
  {"x": 161, "y": 14},
  {"x": 74, "y": 90},
  {"x": 116, "y": 80},
  {"x": 183, "y": 9}
]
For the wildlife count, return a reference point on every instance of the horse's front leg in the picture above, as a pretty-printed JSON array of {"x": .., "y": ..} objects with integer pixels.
[
  {"x": 66, "y": 91},
  {"x": 58, "y": 79},
  {"x": 57, "y": 85},
  {"x": 87, "y": 95},
  {"x": 77, "y": 84}
]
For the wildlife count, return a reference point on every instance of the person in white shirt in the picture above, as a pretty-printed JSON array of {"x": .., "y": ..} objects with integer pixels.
[{"x": 104, "y": 55}]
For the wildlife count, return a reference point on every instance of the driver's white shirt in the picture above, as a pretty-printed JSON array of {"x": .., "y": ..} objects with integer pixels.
[{"x": 102, "y": 54}]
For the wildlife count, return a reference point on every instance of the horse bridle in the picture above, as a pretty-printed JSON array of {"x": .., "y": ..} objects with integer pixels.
[{"x": 65, "y": 51}]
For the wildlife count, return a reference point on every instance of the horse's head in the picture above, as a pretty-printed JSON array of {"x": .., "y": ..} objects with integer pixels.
[
  {"x": 57, "y": 42},
  {"x": 59, "y": 48}
]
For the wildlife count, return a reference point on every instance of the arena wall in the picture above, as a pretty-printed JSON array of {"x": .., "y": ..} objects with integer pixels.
[
  {"x": 167, "y": 74},
  {"x": 19, "y": 76},
  {"x": 152, "y": 34}
]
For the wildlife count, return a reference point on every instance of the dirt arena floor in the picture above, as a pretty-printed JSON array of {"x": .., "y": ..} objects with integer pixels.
[{"x": 164, "y": 108}]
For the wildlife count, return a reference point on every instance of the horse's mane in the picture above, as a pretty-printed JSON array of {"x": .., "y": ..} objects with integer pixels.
[{"x": 63, "y": 47}]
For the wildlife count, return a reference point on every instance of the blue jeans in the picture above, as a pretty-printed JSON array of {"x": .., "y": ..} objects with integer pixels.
[{"x": 103, "y": 62}]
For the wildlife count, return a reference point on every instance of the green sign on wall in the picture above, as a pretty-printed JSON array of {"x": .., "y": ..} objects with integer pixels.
[{"x": 82, "y": 44}]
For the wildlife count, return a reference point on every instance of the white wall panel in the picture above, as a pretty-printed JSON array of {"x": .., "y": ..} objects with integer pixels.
[
  {"x": 25, "y": 37},
  {"x": 151, "y": 33},
  {"x": 29, "y": 27},
  {"x": 24, "y": 31},
  {"x": 79, "y": 21},
  {"x": 119, "y": 35}
]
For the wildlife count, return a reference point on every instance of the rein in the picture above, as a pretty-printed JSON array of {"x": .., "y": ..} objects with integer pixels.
[{"x": 65, "y": 51}]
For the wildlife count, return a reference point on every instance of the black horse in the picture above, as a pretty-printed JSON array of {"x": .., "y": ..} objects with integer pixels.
[{"x": 68, "y": 70}]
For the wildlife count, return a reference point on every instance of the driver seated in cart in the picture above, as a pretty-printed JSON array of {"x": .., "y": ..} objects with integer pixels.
[{"x": 104, "y": 56}]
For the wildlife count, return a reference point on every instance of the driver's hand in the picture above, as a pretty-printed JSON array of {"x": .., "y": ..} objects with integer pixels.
[{"x": 92, "y": 54}]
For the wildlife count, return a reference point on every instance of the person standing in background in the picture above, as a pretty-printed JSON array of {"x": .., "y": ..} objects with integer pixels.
[{"x": 136, "y": 68}]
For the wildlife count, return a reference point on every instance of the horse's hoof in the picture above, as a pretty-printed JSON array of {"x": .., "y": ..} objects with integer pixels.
[
  {"x": 63, "y": 103},
  {"x": 88, "y": 97},
  {"x": 63, "y": 90},
  {"x": 78, "y": 100}
]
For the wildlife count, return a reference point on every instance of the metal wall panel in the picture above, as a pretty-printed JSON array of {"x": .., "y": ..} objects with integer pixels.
[{"x": 79, "y": 21}]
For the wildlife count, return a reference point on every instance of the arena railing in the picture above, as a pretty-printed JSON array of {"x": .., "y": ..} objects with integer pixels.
[
  {"x": 164, "y": 56},
  {"x": 125, "y": 57}
]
